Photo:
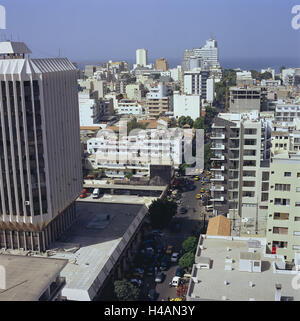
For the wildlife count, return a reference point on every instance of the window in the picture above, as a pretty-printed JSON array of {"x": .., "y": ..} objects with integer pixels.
[
  {"x": 298, "y": 175},
  {"x": 280, "y": 230},
  {"x": 297, "y": 189},
  {"x": 297, "y": 219},
  {"x": 287, "y": 174},
  {"x": 282, "y": 201},
  {"x": 249, "y": 163},
  {"x": 249, "y": 183},
  {"x": 281, "y": 216},
  {"x": 248, "y": 194},
  {"x": 297, "y": 204},
  {"x": 282, "y": 187},
  {"x": 296, "y": 233}
]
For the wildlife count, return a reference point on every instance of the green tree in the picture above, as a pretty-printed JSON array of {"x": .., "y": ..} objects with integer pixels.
[
  {"x": 199, "y": 123},
  {"x": 133, "y": 124},
  {"x": 161, "y": 212},
  {"x": 126, "y": 291},
  {"x": 210, "y": 113},
  {"x": 207, "y": 155},
  {"x": 229, "y": 76},
  {"x": 190, "y": 244},
  {"x": 128, "y": 175},
  {"x": 183, "y": 120},
  {"x": 187, "y": 260},
  {"x": 173, "y": 123}
]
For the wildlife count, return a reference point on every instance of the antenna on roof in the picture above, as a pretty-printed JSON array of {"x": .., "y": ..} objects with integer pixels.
[{"x": 58, "y": 52}]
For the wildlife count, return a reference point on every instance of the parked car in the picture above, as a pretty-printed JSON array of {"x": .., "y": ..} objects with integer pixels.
[
  {"x": 169, "y": 249},
  {"x": 159, "y": 278},
  {"x": 96, "y": 193},
  {"x": 177, "y": 227},
  {"x": 136, "y": 282},
  {"x": 175, "y": 281},
  {"x": 164, "y": 265},
  {"x": 198, "y": 196},
  {"x": 175, "y": 257},
  {"x": 152, "y": 294},
  {"x": 179, "y": 272},
  {"x": 182, "y": 210},
  {"x": 140, "y": 272}
]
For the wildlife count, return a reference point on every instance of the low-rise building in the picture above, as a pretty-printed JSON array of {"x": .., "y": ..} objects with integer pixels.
[
  {"x": 240, "y": 269},
  {"x": 129, "y": 107}
]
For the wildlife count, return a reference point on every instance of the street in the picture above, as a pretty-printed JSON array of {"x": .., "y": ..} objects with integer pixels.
[{"x": 190, "y": 222}]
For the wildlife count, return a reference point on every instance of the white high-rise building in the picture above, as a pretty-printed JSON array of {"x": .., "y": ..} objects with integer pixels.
[
  {"x": 142, "y": 57},
  {"x": 40, "y": 155}
]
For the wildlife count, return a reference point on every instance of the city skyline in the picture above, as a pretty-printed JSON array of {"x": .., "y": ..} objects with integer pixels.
[{"x": 127, "y": 27}]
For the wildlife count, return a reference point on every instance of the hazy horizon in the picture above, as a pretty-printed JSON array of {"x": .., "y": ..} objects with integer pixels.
[{"x": 96, "y": 30}]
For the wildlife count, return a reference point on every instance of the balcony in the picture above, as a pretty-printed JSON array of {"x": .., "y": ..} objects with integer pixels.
[
  {"x": 218, "y": 146},
  {"x": 220, "y": 199},
  {"x": 218, "y": 157},
  {"x": 217, "y": 188},
  {"x": 218, "y": 136},
  {"x": 221, "y": 168},
  {"x": 217, "y": 178}
]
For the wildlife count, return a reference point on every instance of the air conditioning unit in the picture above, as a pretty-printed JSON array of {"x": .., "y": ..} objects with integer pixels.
[{"x": 27, "y": 203}]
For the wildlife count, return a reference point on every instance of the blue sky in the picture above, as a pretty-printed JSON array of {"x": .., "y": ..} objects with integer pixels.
[{"x": 97, "y": 29}]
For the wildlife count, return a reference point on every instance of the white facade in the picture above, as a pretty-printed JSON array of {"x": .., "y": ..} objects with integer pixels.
[
  {"x": 288, "y": 76},
  {"x": 142, "y": 57},
  {"x": 187, "y": 105},
  {"x": 195, "y": 83},
  {"x": 86, "y": 105},
  {"x": 129, "y": 107},
  {"x": 157, "y": 91},
  {"x": 176, "y": 73},
  {"x": 208, "y": 54},
  {"x": 134, "y": 91},
  {"x": 156, "y": 146}
]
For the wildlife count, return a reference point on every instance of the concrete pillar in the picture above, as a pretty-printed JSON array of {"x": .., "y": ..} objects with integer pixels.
[{"x": 25, "y": 241}]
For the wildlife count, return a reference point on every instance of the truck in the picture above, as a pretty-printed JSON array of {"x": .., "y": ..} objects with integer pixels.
[{"x": 96, "y": 193}]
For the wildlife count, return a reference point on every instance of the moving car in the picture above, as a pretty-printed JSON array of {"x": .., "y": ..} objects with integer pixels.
[
  {"x": 159, "y": 277},
  {"x": 175, "y": 257},
  {"x": 202, "y": 190},
  {"x": 196, "y": 178},
  {"x": 198, "y": 196}
]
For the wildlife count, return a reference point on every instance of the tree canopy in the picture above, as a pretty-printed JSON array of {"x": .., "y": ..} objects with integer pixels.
[
  {"x": 199, "y": 123},
  {"x": 187, "y": 260},
  {"x": 183, "y": 120},
  {"x": 190, "y": 244},
  {"x": 126, "y": 291},
  {"x": 133, "y": 124},
  {"x": 161, "y": 212}
]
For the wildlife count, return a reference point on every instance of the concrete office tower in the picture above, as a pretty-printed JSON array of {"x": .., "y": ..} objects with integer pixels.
[
  {"x": 208, "y": 54},
  {"x": 142, "y": 57},
  {"x": 161, "y": 64},
  {"x": 240, "y": 172},
  {"x": 40, "y": 156}
]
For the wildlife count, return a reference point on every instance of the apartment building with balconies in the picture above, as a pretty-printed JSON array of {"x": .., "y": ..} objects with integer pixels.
[
  {"x": 241, "y": 151},
  {"x": 283, "y": 225}
]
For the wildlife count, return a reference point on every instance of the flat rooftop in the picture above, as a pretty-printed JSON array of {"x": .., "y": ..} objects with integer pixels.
[
  {"x": 211, "y": 285},
  {"x": 120, "y": 199},
  {"x": 94, "y": 243},
  {"x": 28, "y": 277}
]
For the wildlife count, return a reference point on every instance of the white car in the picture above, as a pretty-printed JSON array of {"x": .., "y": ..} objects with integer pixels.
[
  {"x": 175, "y": 281},
  {"x": 175, "y": 257}
]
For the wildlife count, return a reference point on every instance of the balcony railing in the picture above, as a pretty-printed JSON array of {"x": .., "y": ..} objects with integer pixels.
[{"x": 218, "y": 146}]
